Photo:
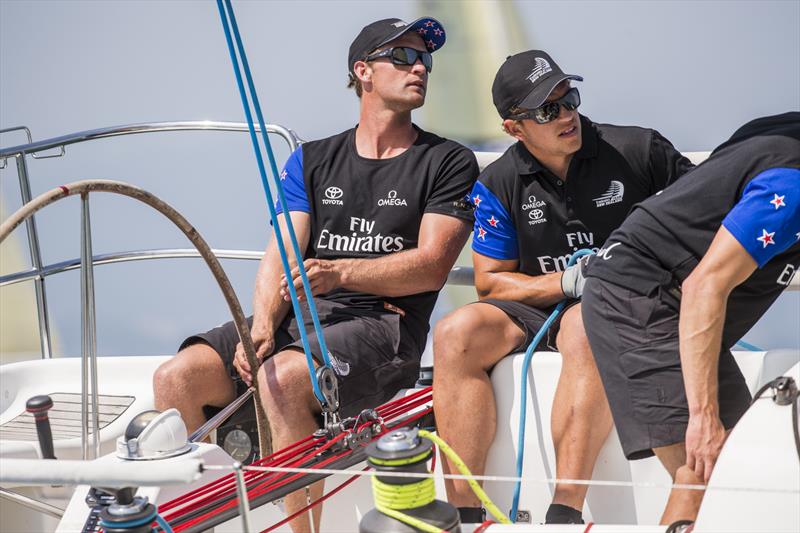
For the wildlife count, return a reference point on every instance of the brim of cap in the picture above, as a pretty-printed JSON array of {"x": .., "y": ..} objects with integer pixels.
[
  {"x": 431, "y": 43},
  {"x": 539, "y": 94}
]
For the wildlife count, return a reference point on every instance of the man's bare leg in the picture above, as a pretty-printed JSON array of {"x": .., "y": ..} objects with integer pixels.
[
  {"x": 466, "y": 344},
  {"x": 581, "y": 418},
  {"x": 683, "y": 504},
  {"x": 291, "y": 407},
  {"x": 193, "y": 378}
]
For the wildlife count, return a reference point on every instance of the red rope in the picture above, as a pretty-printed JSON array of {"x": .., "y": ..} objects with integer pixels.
[
  {"x": 314, "y": 503},
  {"x": 292, "y": 456},
  {"x": 484, "y": 526},
  {"x": 588, "y": 527}
]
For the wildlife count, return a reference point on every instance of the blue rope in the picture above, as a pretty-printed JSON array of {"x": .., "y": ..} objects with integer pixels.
[
  {"x": 524, "y": 388},
  {"x": 270, "y": 203},
  {"x": 748, "y": 346},
  {"x": 164, "y": 524}
]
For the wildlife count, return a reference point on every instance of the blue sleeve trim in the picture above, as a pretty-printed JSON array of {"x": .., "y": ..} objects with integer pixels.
[
  {"x": 494, "y": 233},
  {"x": 766, "y": 220},
  {"x": 294, "y": 187}
]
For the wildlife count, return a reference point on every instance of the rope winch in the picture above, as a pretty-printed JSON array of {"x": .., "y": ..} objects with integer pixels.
[{"x": 405, "y": 505}]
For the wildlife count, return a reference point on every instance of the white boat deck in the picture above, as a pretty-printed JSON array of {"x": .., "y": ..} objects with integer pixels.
[{"x": 640, "y": 502}]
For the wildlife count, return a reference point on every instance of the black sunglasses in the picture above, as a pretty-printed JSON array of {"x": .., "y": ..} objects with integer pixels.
[
  {"x": 403, "y": 55},
  {"x": 550, "y": 111}
]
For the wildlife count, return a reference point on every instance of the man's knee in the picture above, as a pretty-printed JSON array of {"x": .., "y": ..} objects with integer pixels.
[
  {"x": 686, "y": 476},
  {"x": 571, "y": 338},
  {"x": 195, "y": 368},
  {"x": 449, "y": 340},
  {"x": 285, "y": 380}
]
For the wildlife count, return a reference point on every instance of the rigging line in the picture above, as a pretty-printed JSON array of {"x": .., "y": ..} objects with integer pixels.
[
  {"x": 514, "y": 479},
  {"x": 211, "y": 495},
  {"x": 279, "y": 188},
  {"x": 213, "y": 513},
  {"x": 271, "y": 206},
  {"x": 524, "y": 387},
  {"x": 312, "y": 504}
]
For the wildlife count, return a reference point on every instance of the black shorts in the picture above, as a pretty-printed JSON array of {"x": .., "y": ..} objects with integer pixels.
[
  {"x": 635, "y": 343},
  {"x": 369, "y": 349},
  {"x": 531, "y": 319}
]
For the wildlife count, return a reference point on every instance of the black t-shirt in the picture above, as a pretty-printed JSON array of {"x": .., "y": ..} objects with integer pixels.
[
  {"x": 525, "y": 213},
  {"x": 751, "y": 185},
  {"x": 363, "y": 208}
]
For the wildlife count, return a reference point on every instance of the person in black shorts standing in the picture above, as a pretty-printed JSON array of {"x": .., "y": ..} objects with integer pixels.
[
  {"x": 380, "y": 212},
  {"x": 565, "y": 185},
  {"x": 685, "y": 277}
]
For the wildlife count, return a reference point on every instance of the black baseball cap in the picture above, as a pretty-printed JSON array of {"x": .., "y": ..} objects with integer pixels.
[
  {"x": 526, "y": 80},
  {"x": 378, "y": 33}
]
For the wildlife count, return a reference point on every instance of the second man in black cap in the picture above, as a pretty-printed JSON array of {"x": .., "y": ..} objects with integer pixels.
[{"x": 566, "y": 184}]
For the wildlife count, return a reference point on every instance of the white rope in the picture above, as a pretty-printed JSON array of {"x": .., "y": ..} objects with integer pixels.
[{"x": 509, "y": 479}]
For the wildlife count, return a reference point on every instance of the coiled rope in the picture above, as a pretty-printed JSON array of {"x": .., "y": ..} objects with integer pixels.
[{"x": 392, "y": 499}]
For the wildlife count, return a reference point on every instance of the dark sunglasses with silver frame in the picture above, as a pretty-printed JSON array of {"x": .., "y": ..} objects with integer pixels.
[
  {"x": 549, "y": 111},
  {"x": 403, "y": 55}
]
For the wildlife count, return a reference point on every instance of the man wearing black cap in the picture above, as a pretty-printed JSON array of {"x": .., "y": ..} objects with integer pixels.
[
  {"x": 380, "y": 211},
  {"x": 565, "y": 185},
  {"x": 683, "y": 279}
]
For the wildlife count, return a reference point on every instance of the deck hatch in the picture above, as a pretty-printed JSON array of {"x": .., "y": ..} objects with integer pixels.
[{"x": 65, "y": 417}]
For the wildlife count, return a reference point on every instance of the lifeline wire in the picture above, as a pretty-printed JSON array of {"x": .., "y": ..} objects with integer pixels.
[
  {"x": 270, "y": 203},
  {"x": 524, "y": 387},
  {"x": 513, "y": 479}
]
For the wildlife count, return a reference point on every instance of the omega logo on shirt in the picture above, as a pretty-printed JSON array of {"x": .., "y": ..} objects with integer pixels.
[
  {"x": 392, "y": 199},
  {"x": 535, "y": 214}
]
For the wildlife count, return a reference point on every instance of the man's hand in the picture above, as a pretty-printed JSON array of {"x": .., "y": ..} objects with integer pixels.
[
  {"x": 572, "y": 280},
  {"x": 323, "y": 277},
  {"x": 264, "y": 342},
  {"x": 705, "y": 436}
]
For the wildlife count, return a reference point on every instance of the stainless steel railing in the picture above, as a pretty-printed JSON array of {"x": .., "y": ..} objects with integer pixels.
[
  {"x": 35, "y": 149},
  {"x": 39, "y": 272}
]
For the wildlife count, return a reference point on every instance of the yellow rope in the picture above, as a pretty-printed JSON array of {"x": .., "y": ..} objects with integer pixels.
[
  {"x": 410, "y": 520},
  {"x": 389, "y": 499},
  {"x": 409, "y": 496},
  {"x": 448, "y": 451},
  {"x": 399, "y": 462}
]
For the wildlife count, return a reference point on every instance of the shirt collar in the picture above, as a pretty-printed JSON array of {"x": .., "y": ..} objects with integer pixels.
[
  {"x": 589, "y": 139},
  {"x": 524, "y": 161}
]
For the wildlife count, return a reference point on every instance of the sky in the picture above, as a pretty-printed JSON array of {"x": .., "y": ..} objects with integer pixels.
[{"x": 693, "y": 70}]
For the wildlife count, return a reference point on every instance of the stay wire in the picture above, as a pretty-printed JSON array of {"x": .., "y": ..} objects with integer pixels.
[
  {"x": 231, "y": 21},
  {"x": 279, "y": 188}
]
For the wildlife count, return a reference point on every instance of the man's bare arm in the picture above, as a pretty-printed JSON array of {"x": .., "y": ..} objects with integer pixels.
[
  {"x": 703, "y": 304},
  {"x": 496, "y": 278},
  {"x": 269, "y": 309},
  {"x": 425, "y": 268}
]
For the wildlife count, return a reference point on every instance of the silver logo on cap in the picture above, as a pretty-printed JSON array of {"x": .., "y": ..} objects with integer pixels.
[{"x": 540, "y": 68}]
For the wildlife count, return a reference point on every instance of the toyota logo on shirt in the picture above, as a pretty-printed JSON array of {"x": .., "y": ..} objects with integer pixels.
[
  {"x": 536, "y": 216},
  {"x": 334, "y": 193},
  {"x": 333, "y": 196}
]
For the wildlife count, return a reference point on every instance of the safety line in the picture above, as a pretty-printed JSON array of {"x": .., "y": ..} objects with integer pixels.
[
  {"x": 514, "y": 479},
  {"x": 270, "y": 203}
]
